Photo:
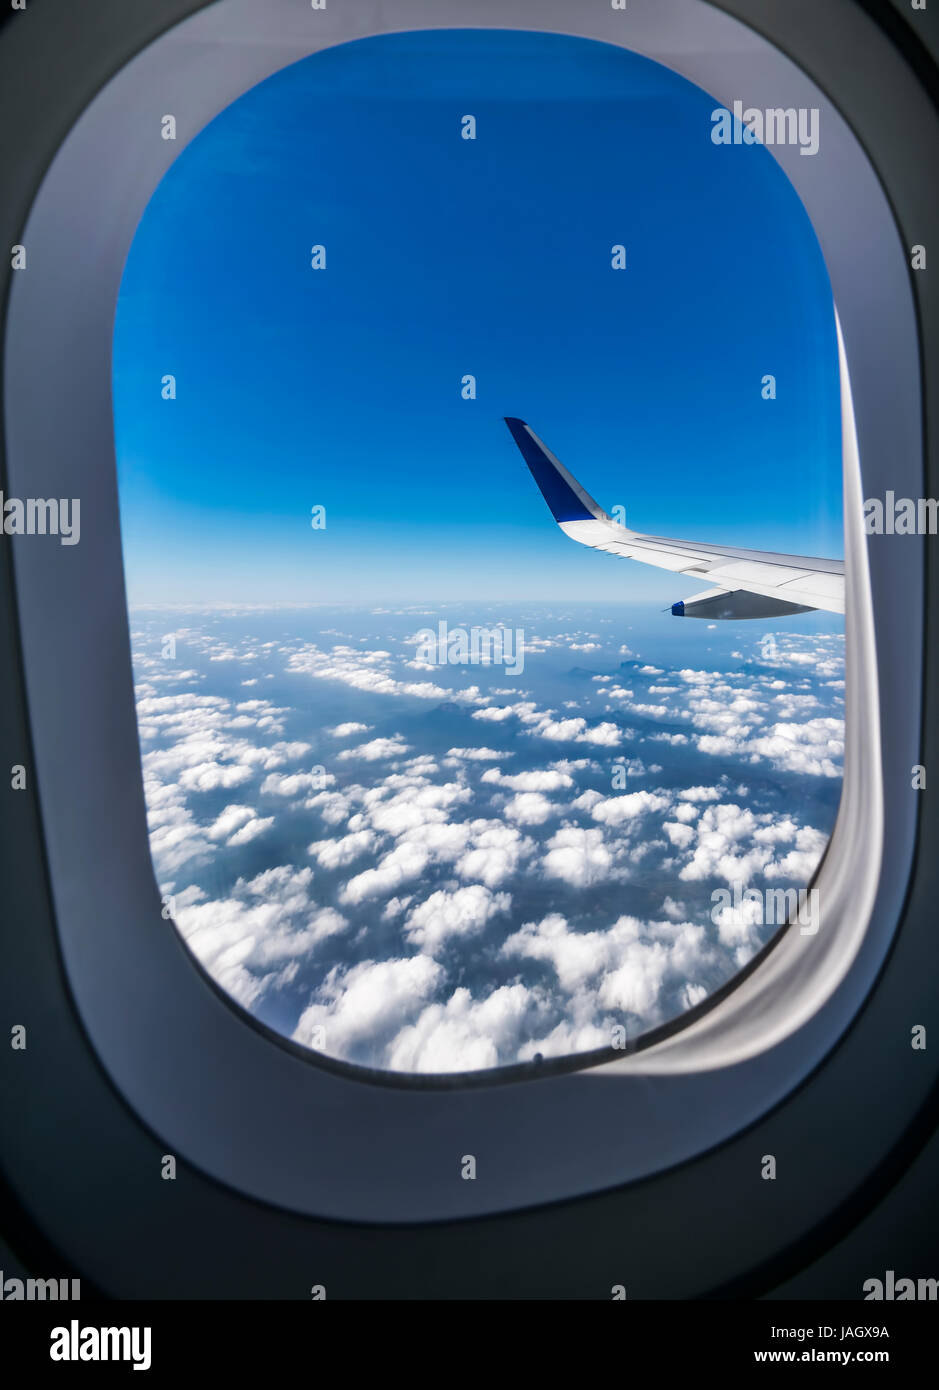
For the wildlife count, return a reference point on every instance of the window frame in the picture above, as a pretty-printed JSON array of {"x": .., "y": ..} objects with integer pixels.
[{"x": 89, "y": 957}]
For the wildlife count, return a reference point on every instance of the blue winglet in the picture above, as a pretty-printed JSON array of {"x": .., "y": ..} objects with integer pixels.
[{"x": 565, "y": 503}]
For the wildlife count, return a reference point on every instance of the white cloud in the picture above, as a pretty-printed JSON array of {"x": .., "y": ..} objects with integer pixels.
[
  {"x": 175, "y": 837},
  {"x": 635, "y": 985},
  {"x": 251, "y": 830},
  {"x": 497, "y": 714},
  {"x": 267, "y": 924},
  {"x": 210, "y": 776},
  {"x": 377, "y": 748},
  {"x": 493, "y": 853},
  {"x": 444, "y": 915},
  {"x": 367, "y": 671},
  {"x": 530, "y": 808},
  {"x": 293, "y": 783},
  {"x": 402, "y": 864},
  {"x": 700, "y": 794},
  {"x": 334, "y": 807},
  {"x": 719, "y": 832},
  {"x": 815, "y": 748},
  {"x": 579, "y": 857},
  {"x": 365, "y": 1005},
  {"x": 416, "y": 805},
  {"x": 798, "y": 865},
  {"x": 680, "y": 835},
  {"x": 476, "y": 755},
  {"x": 333, "y": 854},
  {"x": 229, "y": 821},
  {"x": 542, "y": 724},
  {"x": 464, "y": 1034},
  {"x": 624, "y": 967},
  {"x": 635, "y": 767},
  {"x": 541, "y": 780},
  {"x": 614, "y": 810},
  {"x": 576, "y": 730},
  {"x": 647, "y": 711}
]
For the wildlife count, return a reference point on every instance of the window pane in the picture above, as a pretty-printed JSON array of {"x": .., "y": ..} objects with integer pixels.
[{"x": 430, "y": 786}]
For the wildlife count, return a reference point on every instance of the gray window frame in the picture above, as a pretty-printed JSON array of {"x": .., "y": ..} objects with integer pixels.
[{"x": 267, "y": 1119}]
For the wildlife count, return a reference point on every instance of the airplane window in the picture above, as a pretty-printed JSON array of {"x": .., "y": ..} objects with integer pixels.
[{"x": 477, "y": 408}]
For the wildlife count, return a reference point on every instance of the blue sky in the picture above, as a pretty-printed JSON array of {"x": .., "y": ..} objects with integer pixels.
[{"x": 342, "y": 387}]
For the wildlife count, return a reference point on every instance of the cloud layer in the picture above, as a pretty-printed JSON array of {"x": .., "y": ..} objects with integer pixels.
[{"x": 440, "y": 868}]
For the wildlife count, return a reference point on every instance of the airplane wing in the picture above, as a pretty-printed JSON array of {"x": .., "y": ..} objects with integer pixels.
[{"x": 749, "y": 583}]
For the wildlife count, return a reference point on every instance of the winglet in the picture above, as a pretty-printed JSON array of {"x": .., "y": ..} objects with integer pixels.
[{"x": 561, "y": 490}]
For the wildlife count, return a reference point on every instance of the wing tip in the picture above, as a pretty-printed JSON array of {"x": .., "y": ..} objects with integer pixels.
[{"x": 565, "y": 497}]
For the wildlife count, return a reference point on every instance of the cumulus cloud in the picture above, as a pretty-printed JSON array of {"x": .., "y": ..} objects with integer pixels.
[
  {"x": 700, "y": 794},
  {"x": 464, "y": 1034},
  {"x": 377, "y": 748},
  {"x": 815, "y": 748},
  {"x": 402, "y": 864},
  {"x": 251, "y": 830},
  {"x": 530, "y": 808},
  {"x": 579, "y": 857},
  {"x": 542, "y": 724},
  {"x": 210, "y": 776},
  {"x": 798, "y": 865},
  {"x": 334, "y": 807},
  {"x": 460, "y": 913},
  {"x": 416, "y": 804},
  {"x": 176, "y": 838},
  {"x": 365, "y": 1006},
  {"x": 548, "y": 779},
  {"x": 369, "y": 671},
  {"x": 719, "y": 833},
  {"x": 477, "y": 755},
  {"x": 615, "y": 810},
  {"x": 577, "y": 730},
  {"x": 626, "y": 965},
  {"x": 681, "y": 835},
  {"x": 230, "y": 820},
  {"x": 295, "y": 783},
  {"x": 498, "y": 714},
  {"x": 334, "y": 854},
  {"x": 493, "y": 852},
  {"x": 265, "y": 926}
]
